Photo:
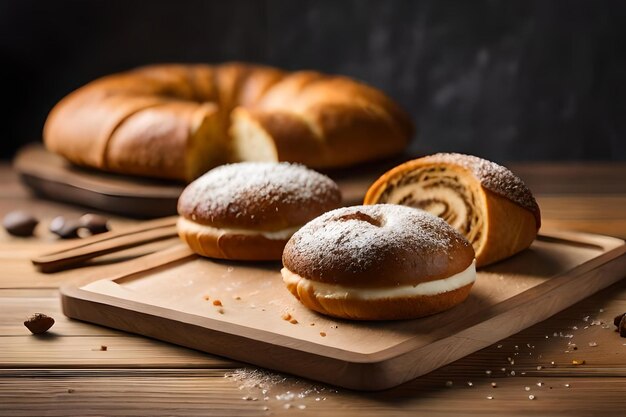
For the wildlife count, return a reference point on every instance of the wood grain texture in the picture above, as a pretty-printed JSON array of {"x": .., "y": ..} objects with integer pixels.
[
  {"x": 80, "y": 251},
  {"x": 50, "y": 176},
  {"x": 19, "y": 272},
  {"x": 209, "y": 394},
  {"x": 596, "y": 388},
  {"x": 176, "y": 391},
  {"x": 168, "y": 295}
]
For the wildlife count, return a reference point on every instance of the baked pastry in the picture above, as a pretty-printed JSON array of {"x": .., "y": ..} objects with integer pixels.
[
  {"x": 173, "y": 121},
  {"x": 486, "y": 202},
  {"x": 249, "y": 210},
  {"x": 378, "y": 262}
]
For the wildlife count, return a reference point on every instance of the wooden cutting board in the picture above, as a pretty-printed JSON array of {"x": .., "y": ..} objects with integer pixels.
[
  {"x": 52, "y": 177},
  {"x": 170, "y": 296}
]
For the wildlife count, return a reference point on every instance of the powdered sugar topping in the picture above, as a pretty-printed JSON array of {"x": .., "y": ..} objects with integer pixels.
[
  {"x": 249, "y": 189},
  {"x": 359, "y": 239}
]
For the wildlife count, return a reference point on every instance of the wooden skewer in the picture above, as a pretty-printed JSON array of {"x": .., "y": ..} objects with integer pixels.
[{"x": 91, "y": 247}]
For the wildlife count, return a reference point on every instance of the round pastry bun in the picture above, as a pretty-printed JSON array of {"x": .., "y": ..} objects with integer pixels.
[
  {"x": 378, "y": 262},
  {"x": 249, "y": 210}
]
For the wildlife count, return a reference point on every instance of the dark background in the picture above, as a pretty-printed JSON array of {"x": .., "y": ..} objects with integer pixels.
[{"x": 507, "y": 80}]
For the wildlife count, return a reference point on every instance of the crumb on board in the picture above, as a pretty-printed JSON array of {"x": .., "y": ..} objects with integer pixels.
[
  {"x": 578, "y": 362},
  {"x": 206, "y": 298},
  {"x": 293, "y": 321},
  {"x": 236, "y": 297},
  {"x": 323, "y": 334},
  {"x": 312, "y": 324},
  {"x": 220, "y": 310},
  {"x": 217, "y": 303},
  {"x": 286, "y": 316}
]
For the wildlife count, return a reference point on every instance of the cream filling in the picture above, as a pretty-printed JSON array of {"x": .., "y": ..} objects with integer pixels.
[
  {"x": 194, "y": 227},
  {"x": 325, "y": 290}
]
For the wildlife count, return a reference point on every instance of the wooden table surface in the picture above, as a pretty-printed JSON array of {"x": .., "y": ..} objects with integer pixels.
[{"x": 65, "y": 372}]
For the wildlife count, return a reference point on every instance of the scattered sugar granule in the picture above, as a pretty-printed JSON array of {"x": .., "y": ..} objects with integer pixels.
[{"x": 531, "y": 397}]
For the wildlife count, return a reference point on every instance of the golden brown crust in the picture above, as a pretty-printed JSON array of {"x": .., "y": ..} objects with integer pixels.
[
  {"x": 84, "y": 141},
  {"x": 156, "y": 141},
  {"x": 231, "y": 245},
  {"x": 327, "y": 122},
  {"x": 332, "y": 116},
  {"x": 280, "y": 128},
  {"x": 509, "y": 229},
  {"x": 508, "y": 214},
  {"x": 377, "y": 246},
  {"x": 396, "y": 308}
]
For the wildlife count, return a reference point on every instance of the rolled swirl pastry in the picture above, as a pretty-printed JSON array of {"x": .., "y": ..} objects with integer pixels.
[{"x": 486, "y": 202}]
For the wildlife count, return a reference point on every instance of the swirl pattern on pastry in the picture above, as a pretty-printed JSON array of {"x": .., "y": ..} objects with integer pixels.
[{"x": 485, "y": 201}]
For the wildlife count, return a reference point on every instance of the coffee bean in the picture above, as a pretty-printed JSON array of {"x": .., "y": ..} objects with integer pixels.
[
  {"x": 94, "y": 223},
  {"x": 618, "y": 319},
  {"x": 622, "y": 326},
  {"x": 20, "y": 223},
  {"x": 39, "y": 323},
  {"x": 64, "y": 228}
]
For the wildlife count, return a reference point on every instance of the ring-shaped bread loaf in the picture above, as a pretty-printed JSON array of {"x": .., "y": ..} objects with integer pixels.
[{"x": 178, "y": 121}]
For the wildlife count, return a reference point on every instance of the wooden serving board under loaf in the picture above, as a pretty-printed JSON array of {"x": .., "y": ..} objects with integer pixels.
[
  {"x": 244, "y": 312},
  {"x": 52, "y": 177}
]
